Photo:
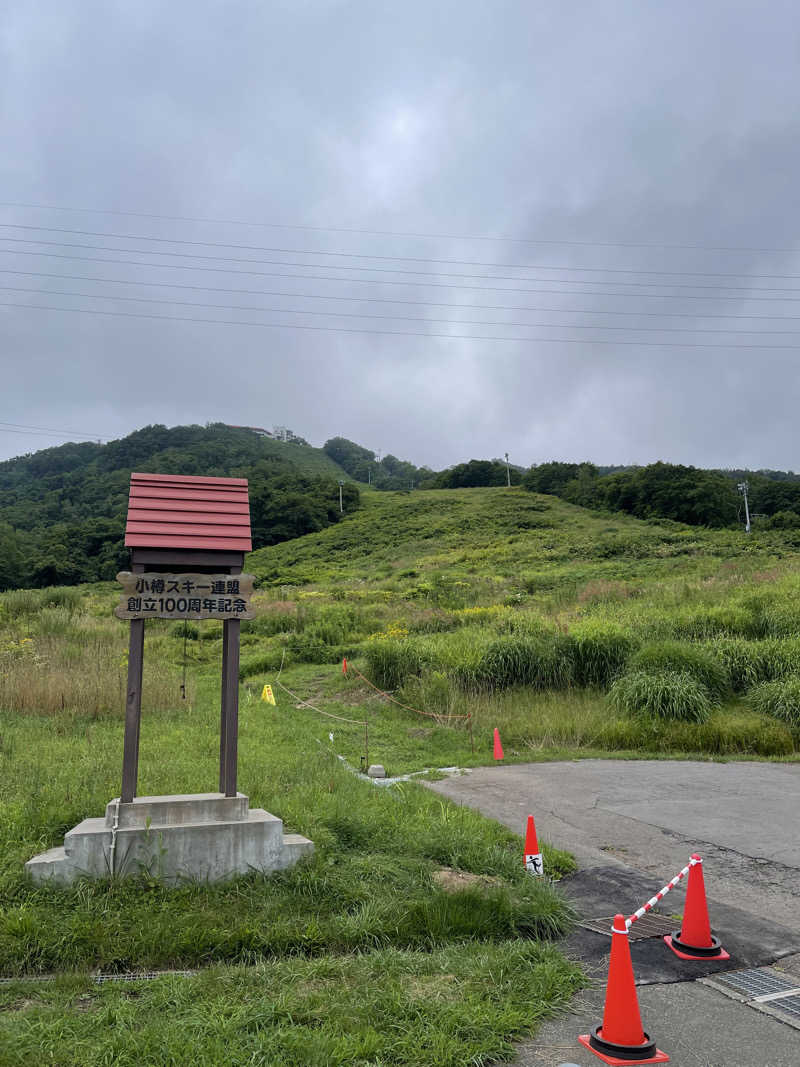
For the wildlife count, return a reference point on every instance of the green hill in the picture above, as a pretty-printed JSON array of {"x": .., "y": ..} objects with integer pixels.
[
  {"x": 560, "y": 625},
  {"x": 510, "y": 537},
  {"x": 62, "y": 510}
]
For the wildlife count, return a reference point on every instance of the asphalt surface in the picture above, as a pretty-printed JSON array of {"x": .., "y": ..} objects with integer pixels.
[{"x": 632, "y": 826}]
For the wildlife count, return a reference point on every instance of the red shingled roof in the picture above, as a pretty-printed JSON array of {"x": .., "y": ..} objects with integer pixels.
[{"x": 179, "y": 511}]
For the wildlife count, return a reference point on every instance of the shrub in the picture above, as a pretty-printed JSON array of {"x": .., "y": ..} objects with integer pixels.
[
  {"x": 600, "y": 651},
  {"x": 662, "y": 695},
  {"x": 676, "y": 658},
  {"x": 389, "y": 663},
  {"x": 780, "y": 699},
  {"x": 537, "y": 661}
]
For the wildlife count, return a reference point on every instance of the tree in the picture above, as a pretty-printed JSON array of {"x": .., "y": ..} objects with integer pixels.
[{"x": 477, "y": 472}]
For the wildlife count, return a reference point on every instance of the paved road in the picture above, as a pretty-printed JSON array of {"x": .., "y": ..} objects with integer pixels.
[
  {"x": 632, "y": 825},
  {"x": 743, "y": 818}
]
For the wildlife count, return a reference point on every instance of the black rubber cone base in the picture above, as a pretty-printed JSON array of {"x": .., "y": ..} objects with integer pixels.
[
  {"x": 713, "y": 951},
  {"x": 612, "y": 1053}
]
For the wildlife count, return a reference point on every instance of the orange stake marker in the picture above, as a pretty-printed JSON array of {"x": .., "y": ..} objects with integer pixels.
[{"x": 498, "y": 747}]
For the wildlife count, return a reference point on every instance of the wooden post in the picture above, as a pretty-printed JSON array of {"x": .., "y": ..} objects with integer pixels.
[
  {"x": 133, "y": 712},
  {"x": 223, "y": 716},
  {"x": 230, "y": 704}
]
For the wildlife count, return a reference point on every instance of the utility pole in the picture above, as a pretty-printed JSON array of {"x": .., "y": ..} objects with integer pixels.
[
  {"x": 508, "y": 472},
  {"x": 369, "y": 475},
  {"x": 341, "y": 506},
  {"x": 743, "y": 487}
]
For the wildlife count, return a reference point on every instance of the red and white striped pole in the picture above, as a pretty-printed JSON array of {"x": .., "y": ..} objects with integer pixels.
[{"x": 651, "y": 903}]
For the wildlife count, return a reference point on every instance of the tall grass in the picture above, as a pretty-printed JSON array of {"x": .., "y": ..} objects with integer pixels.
[
  {"x": 600, "y": 651},
  {"x": 684, "y": 659},
  {"x": 751, "y": 662},
  {"x": 78, "y": 668},
  {"x": 663, "y": 695},
  {"x": 780, "y": 699},
  {"x": 19, "y": 603},
  {"x": 542, "y": 662}
]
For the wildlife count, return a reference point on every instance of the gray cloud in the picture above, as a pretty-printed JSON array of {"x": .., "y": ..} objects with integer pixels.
[{"x": 590, "y": 125}]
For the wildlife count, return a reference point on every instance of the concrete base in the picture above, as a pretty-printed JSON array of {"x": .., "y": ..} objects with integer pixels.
[{"x": 203, "y": 836}]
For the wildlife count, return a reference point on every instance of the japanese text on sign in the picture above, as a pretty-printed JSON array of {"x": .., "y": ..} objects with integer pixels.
[{"x": 185, "y": 596}]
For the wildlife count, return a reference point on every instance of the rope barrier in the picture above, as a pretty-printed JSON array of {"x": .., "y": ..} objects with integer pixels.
[
  {"x": 307, "y": 704},
  {"x": 651, "y": 903},
  {"x": 327, "y": 714},
  {"x": 407, "y": 707}
]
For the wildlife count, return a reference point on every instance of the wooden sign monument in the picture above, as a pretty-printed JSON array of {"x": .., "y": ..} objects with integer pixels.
[
  {"x": 188, "y": 537},
  {"x": 201, "y": 526}
]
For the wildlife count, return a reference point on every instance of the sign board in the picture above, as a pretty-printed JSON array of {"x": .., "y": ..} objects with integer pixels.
[
  {"x": 534, "y": 864},
  {"x": 185, "y": 596}
]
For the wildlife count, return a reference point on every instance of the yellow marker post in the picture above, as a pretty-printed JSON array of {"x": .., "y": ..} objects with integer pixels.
[{"x": 267, "y": 695}]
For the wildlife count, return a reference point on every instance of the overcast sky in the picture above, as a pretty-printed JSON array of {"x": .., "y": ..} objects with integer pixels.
[{"x": 522, "y": 140}]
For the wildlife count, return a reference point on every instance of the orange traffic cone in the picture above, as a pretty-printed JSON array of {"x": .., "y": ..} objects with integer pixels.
[
  {"x": 695, "y": 941},
  {"x": 533, "y": 857},
  {"x": 498, "y": 748},
  {"x": 621, "y": 1040},
  {"x": 344, "y": 665}
]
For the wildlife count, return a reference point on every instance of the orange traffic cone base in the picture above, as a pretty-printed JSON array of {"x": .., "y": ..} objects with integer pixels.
[
  {"x": 691, "y": 952},
  {"x": 630, "y": 1055}
]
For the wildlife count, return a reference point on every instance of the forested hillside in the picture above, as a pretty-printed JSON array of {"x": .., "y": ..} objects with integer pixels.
[
  {"x": 671, "y": 491},
  {"x": 62, "y": 510}
]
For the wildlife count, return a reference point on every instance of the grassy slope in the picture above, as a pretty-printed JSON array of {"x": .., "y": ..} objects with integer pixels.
[
  {"x": 511, "y": 537},
  {"x": 441, "y": 574}
]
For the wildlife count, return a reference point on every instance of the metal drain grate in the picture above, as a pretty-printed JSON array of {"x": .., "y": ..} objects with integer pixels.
[
  {"x": 142, "y": 976},
  {"x": 757, "y": 982},
  {"x": 787, "y": 1007},
  {"x": 135, "y": 976},
  {"x": 650, "y": 925}
]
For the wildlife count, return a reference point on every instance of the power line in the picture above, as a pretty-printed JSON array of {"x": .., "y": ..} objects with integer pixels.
[
  {"x": 407, "y": 318},
  {"x": 393, "y": 281},
  {"x": 391, "y": 270},
  {"x": 397, "y": 300},
  {"x": 25, "y": 426},
  {"x": 38, "y": 433},
  {"x": 384, "y": 258},
  {"x": 397, "y": 333},
  {"x": 396, "y": 233}
]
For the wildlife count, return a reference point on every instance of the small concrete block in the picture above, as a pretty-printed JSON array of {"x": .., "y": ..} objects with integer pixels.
[
  {"x": 52, "y": 864},
  {"x": 295, "y": 846},
  {"x": 376, "y": 770}
]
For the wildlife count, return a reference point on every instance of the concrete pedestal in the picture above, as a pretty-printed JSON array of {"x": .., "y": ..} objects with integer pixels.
[{"x": 202, "y": 836}]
